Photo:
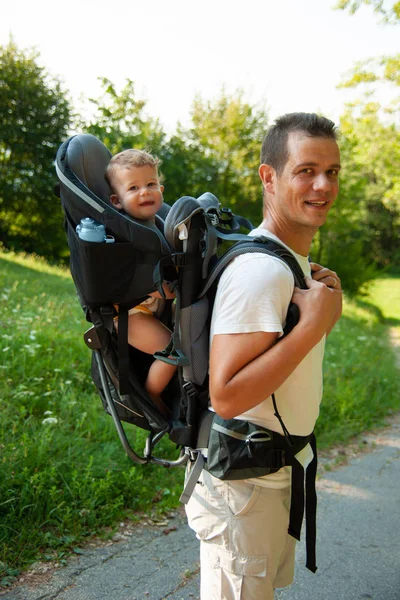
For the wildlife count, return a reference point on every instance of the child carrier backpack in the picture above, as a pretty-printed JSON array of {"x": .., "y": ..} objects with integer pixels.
[{"x": 184, "y": 247}]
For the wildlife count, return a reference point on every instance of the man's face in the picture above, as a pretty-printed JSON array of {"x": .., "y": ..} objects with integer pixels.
[{"x": 302, "y": 195}]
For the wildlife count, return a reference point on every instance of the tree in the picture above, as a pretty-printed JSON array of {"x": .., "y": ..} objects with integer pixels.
[
  {"x": 391, "y": 15},
  {"x": 377, "y": 70},
  {"x": 228, "y": 132},
  {"x": 186, "y": 169},
  {"x": 34, "y": 120},
  {"x": 376, "y": 155},
  {"x": 120, "y": 122}
]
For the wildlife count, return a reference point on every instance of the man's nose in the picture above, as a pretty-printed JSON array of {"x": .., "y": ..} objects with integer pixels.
[{"x": 322, "y": 183}]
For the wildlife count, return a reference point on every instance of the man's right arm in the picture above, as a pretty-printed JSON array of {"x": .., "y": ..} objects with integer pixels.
[{"x": 246, "y": 368}]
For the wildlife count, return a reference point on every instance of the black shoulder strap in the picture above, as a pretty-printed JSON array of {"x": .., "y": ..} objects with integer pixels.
[{"x": 248, "y": 244}]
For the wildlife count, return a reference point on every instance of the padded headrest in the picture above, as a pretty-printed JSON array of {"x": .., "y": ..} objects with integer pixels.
[
  {"x": 88, "y": 158},
  {"x": 181, "y": 213}
]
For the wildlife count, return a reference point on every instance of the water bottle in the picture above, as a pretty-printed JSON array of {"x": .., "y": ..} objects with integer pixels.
[{"x": 90, "y": 230}]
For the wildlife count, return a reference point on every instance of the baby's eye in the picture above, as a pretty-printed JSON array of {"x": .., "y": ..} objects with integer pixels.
[
  {"x": 152, "y": 184},
  {"x": 134, "y": 188}
]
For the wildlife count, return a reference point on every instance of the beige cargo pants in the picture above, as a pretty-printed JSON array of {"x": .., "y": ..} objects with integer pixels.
[{"x": 245, "y": 550}]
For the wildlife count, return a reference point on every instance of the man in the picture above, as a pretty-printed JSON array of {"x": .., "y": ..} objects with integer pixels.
[{"x": 246, "y": 551}]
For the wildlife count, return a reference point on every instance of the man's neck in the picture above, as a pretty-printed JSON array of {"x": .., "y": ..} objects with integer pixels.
[{"x": 299, "y": 241}]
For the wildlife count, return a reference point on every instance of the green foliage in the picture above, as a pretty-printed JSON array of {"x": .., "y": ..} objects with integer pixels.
[
  {"x": 63, "y": 473},
  {"x": 391, "y": 15},
  {"x": 120, "y": 122},
  {"x": 372, "y": 150},
  {"x": 229, "y": 132},
  {"x": 383, "y": 69},
  {"x": 186, "y": 169},
  {"x": 34, "y": 118},
  {"x": 219, "y": 153},
  {"x": 360, "y": 373},
  {"x": 371, "y": 138}
]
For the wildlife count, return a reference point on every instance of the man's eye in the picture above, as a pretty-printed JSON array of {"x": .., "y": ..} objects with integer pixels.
[
  {"x": 333, "y": 173},
  {"x": 307, "y": 170}
]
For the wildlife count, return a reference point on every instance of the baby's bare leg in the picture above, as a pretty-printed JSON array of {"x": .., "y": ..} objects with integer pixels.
[{"x": 149, "y": 335}]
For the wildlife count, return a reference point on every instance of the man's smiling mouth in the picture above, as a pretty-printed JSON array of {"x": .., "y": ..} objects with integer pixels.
[{"x": 316, "y": 202}]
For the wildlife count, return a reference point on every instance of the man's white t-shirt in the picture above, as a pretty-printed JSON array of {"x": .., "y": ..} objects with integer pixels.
[{"x": 253, "y": 294}]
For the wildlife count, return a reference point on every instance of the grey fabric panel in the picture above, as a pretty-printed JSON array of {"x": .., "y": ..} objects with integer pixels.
[
  {"x": 182, "y": 211},
  {"x": 195, "y": 340},
  {"x": 208, "y": 201}
]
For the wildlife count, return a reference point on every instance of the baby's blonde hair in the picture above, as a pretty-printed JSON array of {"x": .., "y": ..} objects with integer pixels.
[{"x": 128, "y": 159}]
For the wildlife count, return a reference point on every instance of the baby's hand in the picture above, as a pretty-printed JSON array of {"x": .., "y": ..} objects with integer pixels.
[
  {"x": 168, "y": 288},
  {"x": 169, "y": 295}
]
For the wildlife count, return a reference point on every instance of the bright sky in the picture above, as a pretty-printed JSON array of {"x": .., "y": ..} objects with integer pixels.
[{"x": 287, "y": 55}]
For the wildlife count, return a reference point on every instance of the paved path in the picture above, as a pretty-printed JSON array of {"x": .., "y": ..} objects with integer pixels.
[{"x": 358, "y": 546}]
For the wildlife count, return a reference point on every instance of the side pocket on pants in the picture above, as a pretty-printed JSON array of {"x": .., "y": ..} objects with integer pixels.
[
  {"x": 215, "y": 505},
  {"x": 206, "y": 511}
]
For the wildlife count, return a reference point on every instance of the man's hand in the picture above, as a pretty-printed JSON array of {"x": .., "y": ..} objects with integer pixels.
[
  {"x": 320, "y": 305},
  {"x": 326, "y": 276}
]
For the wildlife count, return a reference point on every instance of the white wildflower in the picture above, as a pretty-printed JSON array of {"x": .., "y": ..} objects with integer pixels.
[
  {"x": 48, "y": 412},
  {"x": 50, "y": 421},
  {"x": 6, "y": 348}
]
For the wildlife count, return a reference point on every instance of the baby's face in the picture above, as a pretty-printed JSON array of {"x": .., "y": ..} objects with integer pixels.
[{"x": 138, "y": 192}]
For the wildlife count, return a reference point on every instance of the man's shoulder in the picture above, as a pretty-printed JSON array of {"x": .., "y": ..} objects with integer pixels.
[{"x": 256, "y": 268}]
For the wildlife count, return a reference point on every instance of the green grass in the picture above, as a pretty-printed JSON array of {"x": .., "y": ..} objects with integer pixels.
[
  {"x": 360, "y": 373},
  {"x": 63, "y": 473}
]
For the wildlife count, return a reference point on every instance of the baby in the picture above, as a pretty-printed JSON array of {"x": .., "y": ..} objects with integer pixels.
[{"x": 135, "y": 185}]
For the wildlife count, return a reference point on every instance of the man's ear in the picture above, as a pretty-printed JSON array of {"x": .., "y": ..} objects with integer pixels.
[
  {"x": 115, "y": 201},
  {"x": 267, "y": 175}
]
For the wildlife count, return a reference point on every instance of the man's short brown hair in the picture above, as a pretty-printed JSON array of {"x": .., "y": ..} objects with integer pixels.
[{"x": 274, "y": 150}]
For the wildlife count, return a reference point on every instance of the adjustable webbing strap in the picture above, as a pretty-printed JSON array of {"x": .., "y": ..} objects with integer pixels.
[
  {"x": 311, "y": 508},
  {"x": 192, "y": 478},
  {"x": 297, "y": 505}
]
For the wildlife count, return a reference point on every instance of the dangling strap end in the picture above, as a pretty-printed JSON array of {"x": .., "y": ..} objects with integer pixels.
[
  {"x": 311, "y": 567},
  {"x": 294, "y": 534}
]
